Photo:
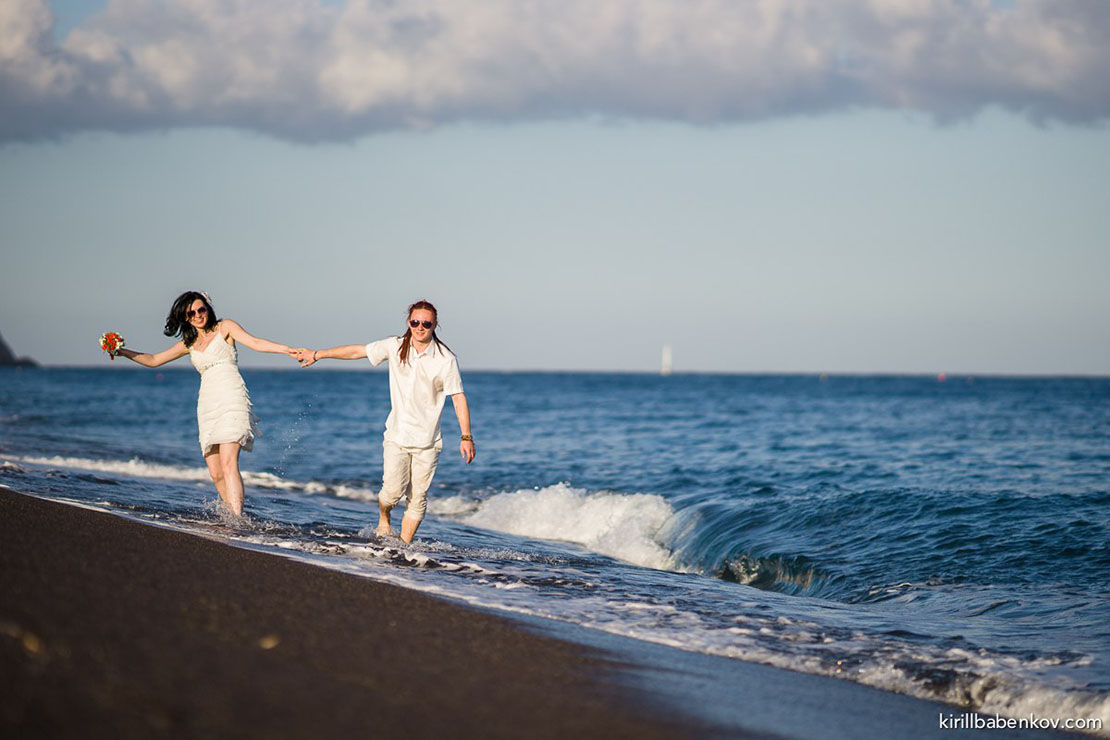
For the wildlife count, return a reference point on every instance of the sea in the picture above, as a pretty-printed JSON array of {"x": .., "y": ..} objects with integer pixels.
[{"x": 941, "y": 537}]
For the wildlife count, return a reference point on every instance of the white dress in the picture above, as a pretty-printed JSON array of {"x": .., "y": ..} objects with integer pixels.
[{"x": 223, "y": 405}]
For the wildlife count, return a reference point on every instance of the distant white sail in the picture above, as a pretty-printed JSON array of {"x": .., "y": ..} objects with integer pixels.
[{"x": 665, "y": 368}]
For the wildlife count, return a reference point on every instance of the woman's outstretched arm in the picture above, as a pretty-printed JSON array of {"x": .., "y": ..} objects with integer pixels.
[
  {"x": 148, "y": 360},
  {"x": 258, "y": 344}
]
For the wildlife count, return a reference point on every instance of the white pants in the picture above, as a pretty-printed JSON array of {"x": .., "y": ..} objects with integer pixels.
[{"x": 407, "y": 473}]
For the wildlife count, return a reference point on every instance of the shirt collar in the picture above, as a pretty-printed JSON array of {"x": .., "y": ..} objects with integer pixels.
[{"x": 432, "y": 347}]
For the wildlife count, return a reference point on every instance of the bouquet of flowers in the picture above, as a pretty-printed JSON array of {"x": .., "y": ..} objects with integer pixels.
[{"x": 111, "y": 342}]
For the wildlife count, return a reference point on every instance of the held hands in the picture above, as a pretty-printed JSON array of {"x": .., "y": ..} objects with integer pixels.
[{"x": 304, "y": 356}]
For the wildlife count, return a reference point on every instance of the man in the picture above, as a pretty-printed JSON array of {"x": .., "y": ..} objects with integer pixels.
[{"x": 422, "y": 373}]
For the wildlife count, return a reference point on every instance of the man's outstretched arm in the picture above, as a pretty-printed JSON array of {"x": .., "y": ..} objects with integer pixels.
[{"x": 344, "y": 352}]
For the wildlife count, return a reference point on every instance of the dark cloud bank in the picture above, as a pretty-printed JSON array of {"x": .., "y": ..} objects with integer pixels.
[{"x": 305, "y": 71}]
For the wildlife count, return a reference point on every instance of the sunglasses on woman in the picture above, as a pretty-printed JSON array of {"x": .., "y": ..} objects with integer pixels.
[
  {"x": 426, "y": 324},
  {"x": 199, "y": 312}
]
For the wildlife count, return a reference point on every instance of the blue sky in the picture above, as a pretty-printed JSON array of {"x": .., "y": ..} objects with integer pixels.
[{"x": 755, "y": 216}]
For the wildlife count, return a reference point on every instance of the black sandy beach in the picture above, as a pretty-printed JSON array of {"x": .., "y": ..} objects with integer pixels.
[{"x": 114, "y": 628}]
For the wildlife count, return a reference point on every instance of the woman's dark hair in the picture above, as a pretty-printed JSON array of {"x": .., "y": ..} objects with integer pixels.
[
  {"x": 406, "y": 340},
  {"x": 177, "y": 322}
]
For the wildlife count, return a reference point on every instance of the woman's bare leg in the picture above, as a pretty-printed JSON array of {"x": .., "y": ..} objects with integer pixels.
[
  {"x": 233, "y": 480},
  {"x": 212, "y": 459}
]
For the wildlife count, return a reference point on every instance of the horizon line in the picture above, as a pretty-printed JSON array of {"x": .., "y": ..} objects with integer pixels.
[{"x": 947, "y": 374}]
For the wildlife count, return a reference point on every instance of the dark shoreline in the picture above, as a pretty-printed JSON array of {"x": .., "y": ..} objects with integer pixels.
[{"x": 112, "y": 628}]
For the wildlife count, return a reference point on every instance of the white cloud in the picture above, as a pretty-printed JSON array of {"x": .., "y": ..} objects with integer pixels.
[{"x": 303, "y": 70}]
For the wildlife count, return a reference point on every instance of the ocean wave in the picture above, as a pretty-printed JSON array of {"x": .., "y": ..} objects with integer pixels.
[
  {"x": 773, "y": 573},
  {"x": 620, "y": 525},
  {"x": 846, "y": 545},
  {"x": 641, "y": 529}
]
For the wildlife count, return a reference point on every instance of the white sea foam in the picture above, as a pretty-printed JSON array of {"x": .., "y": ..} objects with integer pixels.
[
  {"x": 455, "y": 506},
  {"x": 133, "y": 467},
  {"x": 143, "y": 469},
  {"x": 352, "y": 492},
  {"x": 619, "y": 525}
]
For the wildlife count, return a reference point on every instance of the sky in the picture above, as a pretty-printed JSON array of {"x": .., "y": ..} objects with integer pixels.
[{"x": 904, "y": 186}]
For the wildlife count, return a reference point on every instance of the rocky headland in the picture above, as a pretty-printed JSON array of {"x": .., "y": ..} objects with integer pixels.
[{"x": 8, "y": 358}]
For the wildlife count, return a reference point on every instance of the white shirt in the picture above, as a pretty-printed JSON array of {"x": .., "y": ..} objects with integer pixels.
[{"x": 417, "y": 390}]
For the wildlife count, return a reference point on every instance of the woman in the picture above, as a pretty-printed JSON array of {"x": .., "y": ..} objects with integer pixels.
[{"x": 224, "y": 415}]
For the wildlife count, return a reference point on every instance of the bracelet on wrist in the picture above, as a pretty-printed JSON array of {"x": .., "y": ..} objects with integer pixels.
[
  {"x": 314, "y": 354},
  {"x": 467, "y": 438}
]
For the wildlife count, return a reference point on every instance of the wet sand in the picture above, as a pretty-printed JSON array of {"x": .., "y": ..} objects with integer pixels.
[{"x": 112, "y": 628}]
